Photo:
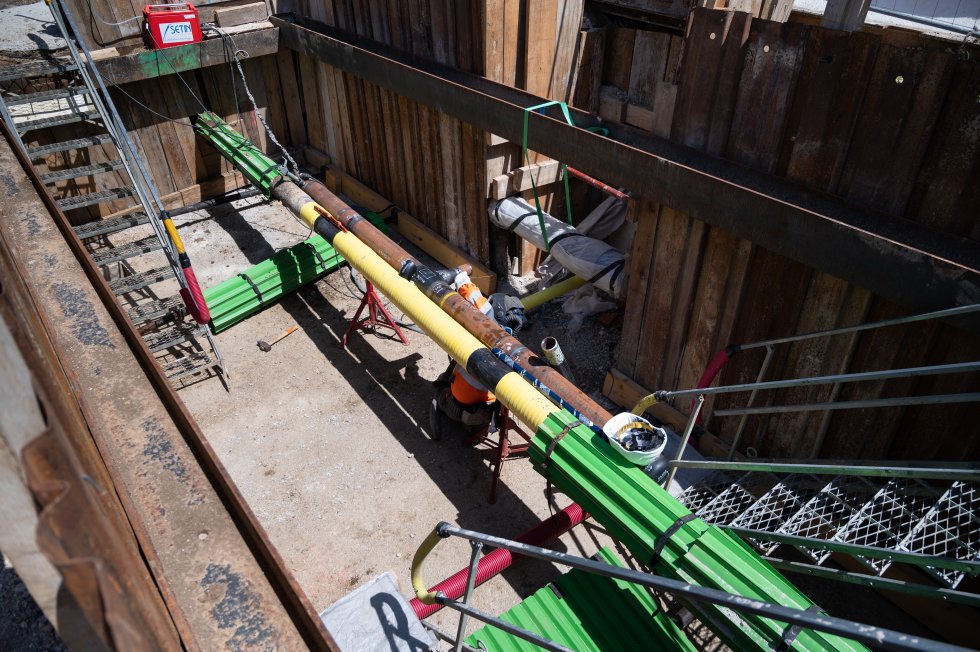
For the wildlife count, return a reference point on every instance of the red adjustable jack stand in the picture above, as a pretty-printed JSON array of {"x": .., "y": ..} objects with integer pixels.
[
  {"x": 378, "y": 316},
  {"x": 505, "y": 449}
]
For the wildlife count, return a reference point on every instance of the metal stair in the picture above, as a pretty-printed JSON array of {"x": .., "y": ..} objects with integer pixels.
[
  {"x": 874, "y": 520},
  {"x": 55, "y": 92}
]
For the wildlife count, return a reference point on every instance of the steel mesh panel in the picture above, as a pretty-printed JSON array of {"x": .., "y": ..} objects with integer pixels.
[
  {"x": 777, "y": 506},
  {"x": 950, "y": 529},
  {"x": 888, "y": 517},
  {"x": 828, "y": 511},
  {"x": 735, "y": 499},
  {"x": 700, "y": 494}
]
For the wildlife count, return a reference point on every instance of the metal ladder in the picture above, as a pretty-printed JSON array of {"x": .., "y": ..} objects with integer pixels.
[{"x": 70, "y": 91}]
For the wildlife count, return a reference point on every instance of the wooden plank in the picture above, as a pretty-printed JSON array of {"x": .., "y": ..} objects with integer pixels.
[
  {"x": 899, "y": 111},
  {"x": 425, "y": 238},
  {"x": 567, "y": 44},
  {"x": 262, "y": 39},
  {"x": 519, "y": 180},
  {"x": 847, "y": 15},
  {"x": 639, "y": 117},
  {"x": 254, "y": 12},
  {"x": 617, "y": 65},
  {"x": 639, "y": 268},
  {"x": 710, "y": 79},
  {"x": 773, "y": 57},
  {"x": 588, "y": 77},
  {"x": 650, "y": 50}
]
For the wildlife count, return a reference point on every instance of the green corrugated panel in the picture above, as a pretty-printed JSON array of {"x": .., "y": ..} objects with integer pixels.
[
  {"x": 236, "y": 298},
  {"x": 637, "y": 511},
  {"x": 593, "y": 614},
  {"x": 255, "y": 166}
]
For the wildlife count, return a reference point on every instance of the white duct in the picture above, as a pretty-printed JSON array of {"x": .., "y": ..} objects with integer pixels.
[{"x": 591, "y": 259}]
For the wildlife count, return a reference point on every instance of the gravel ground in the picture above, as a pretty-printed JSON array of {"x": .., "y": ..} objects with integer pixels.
[{"x": 23, "y": 625}]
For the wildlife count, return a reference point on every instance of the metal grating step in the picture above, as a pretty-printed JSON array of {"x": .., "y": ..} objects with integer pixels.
[
  {"x": 114, "y": 225},
  {"x": 44, "y": 96},
  {"x": 777, "y": 506},
  {"x": 172, "y": 336},
  {"x": 156, "y": 309},
  {"x": 188, "y": 366},
  {"x": 85, "y": 171},
  {"x": 80, "y": 201},
  {"x": 135, "y": 282},
  {"x": 129, "y": 250},
  {"x": 37, "y": 69},
  {"x": 78, "y": 143},
  {"x": 66, "y": 119},
  {"x": 951, "y": 528}
]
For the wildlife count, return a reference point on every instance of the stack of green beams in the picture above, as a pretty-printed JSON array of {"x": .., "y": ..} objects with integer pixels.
[
  {"x": 637, "y": 512},
  {"x": 588, "y": 613},
  {"x": 241, "y": 296}
]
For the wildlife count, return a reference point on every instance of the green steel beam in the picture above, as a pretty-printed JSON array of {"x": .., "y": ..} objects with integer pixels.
[
  {"x": 255, "y": 166},
  {"x": 241, "y": 296},
  {"x": 646, "y": 519}
]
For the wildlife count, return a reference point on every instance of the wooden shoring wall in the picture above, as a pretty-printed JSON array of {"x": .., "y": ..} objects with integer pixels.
[
  {"x": 427, "y": 163},
  {"x": 885, "y": 124},
  {"x": 119, "y": 23},
  {"x": 158, "y": 114}
]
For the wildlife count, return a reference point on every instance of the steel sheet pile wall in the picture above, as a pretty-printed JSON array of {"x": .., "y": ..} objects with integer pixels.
[{"x": 888, "y": 122}]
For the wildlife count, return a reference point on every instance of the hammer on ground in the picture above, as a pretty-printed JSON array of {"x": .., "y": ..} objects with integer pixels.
[{"x": 267, "y": 346}]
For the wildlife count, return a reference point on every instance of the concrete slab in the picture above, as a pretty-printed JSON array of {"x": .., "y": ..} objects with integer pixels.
[{"x": 29, "y": 27}]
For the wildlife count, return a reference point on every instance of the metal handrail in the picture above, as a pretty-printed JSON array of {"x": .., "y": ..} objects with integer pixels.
[
  {"x": 877, "y": 637},
  {"x": 858, "y": 377},
  {"x": 969, "y": 472}
]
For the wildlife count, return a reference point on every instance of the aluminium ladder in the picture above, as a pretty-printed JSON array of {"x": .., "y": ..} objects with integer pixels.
[{"x": 56, "y": 92}]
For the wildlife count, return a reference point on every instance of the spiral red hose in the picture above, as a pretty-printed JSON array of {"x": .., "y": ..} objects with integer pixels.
[
  {"x": 495, "y": 562},
  {"x": 194, "y": 298}
]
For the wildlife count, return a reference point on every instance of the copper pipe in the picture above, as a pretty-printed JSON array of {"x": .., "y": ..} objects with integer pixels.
[
  {"x": 484, "y": 328},
  {"x": 595, "y": 183}
]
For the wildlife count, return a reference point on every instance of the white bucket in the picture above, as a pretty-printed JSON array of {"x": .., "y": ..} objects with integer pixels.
[{"x": 640, "y": 458}]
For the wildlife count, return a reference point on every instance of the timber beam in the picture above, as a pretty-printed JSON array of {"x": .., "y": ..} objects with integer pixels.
[
  {"x": 125, "y": 68},
  {"x": 901, "y": 260}
]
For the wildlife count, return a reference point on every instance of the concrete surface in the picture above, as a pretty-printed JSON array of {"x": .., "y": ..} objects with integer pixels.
[
  {"x": 329, "y": 446},
  {"x": 28, "y": 27}
]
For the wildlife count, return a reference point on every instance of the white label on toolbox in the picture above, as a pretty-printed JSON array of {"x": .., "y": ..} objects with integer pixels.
[{"x": 176, "y": 32}]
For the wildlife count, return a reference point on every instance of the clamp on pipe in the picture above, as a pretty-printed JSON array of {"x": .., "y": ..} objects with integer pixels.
[{"x": 422, "y": 592}]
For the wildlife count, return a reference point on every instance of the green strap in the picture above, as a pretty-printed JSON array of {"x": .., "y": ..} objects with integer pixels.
[{"x": 564, "y": 169}]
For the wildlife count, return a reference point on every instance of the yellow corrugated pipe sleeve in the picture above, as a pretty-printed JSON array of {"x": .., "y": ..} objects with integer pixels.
[{"x": 532, "y": 301}]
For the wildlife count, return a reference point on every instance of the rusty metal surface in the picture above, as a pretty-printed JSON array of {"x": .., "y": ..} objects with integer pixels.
[
  {"x": 102, "y": 569},
  {"x": 899, "y": 259},
  {"x": 224, "y": 584}
]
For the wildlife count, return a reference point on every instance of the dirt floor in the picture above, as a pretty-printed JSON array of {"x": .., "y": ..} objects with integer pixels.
[{"x": 330, "y": 446}]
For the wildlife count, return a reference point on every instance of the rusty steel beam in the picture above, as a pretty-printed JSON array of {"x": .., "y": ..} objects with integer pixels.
[
  {"x": 898, "y": 259},
  {"x": 224, "y": 583}
]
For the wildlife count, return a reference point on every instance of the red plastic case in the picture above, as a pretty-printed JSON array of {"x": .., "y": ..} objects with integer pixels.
[{"x": 167, "y": 26}]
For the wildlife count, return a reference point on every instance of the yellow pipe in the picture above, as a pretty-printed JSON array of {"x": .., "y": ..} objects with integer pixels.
[
  {"x": 422, "y": 591},
  {"x": 520, "y": 397},
  {"x": 174, "y": 236},
  {"x": 532, "y": 301},
  {"x": 644, "y": 404}
]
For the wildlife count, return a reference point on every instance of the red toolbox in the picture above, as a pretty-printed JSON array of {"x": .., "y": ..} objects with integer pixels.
[{"x": 168, "y": 25}]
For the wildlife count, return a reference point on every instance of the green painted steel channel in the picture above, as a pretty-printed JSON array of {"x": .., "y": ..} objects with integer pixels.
[
  {"x": 588, "y": 613},
  {"x": 637, "y": 512}
]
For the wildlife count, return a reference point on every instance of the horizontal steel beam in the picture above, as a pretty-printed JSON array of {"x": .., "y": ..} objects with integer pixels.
[
  {"x": 969, "y": 473},
  {"x": 896, "y": 258},
  {"x": 880, "y": 583},
  {"x": 856, "y": 550},
  {"x": 149, "y": 64}
]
